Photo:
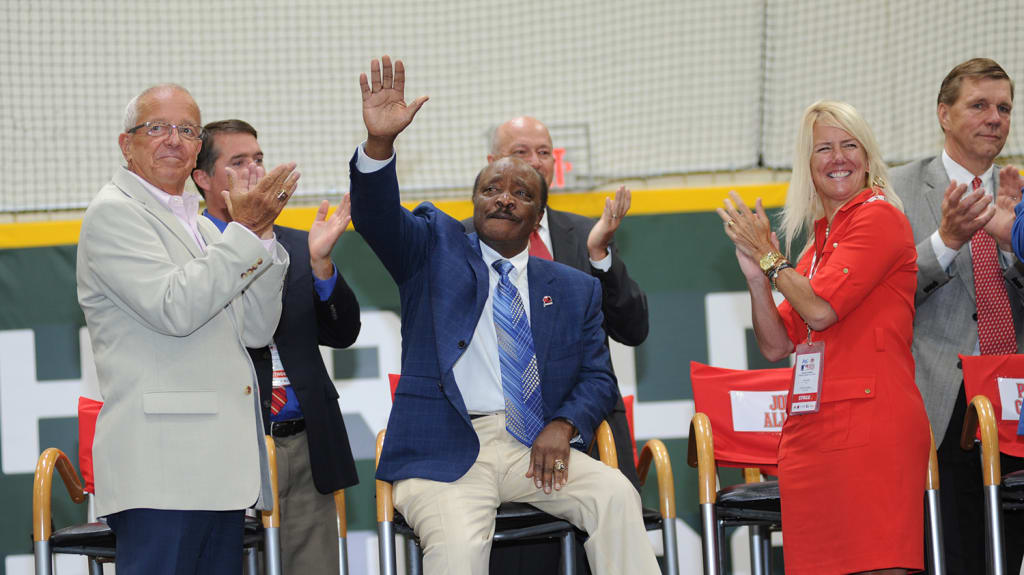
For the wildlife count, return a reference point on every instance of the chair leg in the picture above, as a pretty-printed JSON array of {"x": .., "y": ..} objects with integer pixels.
[
  {"x": 413, "y": 556},
  {"x": 710, "y": 547},
  {"x": 935, "y": 553},
  {"x": 994, "y": 531},
  {"x": 250, "y": 563},
  {"x": 44, "y": 558},
  {"x": 343, "y": 555},
  {"x": 386, "y": 548},
  {"x": 568, "y": 544},
  {"x": 95, "y": 568},
  {"x": 272, "y": 550},
  {"x": 759, "y": 535},
  {"x": 669, "y": 541}
]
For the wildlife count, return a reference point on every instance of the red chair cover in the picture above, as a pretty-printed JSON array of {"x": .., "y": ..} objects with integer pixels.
[
  {"x": 762, "y": 395},
  {"x": 88, "y": 411},
  {"x": 982, "y": 375},
  {"x": 627, "y": 401}
]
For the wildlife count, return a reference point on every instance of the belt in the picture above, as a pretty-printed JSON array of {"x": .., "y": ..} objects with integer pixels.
[{"x": 287, "y": 428}]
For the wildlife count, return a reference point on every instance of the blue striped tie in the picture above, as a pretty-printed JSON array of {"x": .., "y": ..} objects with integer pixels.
[{"x": 524, "y": 411}]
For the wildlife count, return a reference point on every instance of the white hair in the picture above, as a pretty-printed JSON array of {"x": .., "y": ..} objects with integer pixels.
[{"x": 131, "y": 111}]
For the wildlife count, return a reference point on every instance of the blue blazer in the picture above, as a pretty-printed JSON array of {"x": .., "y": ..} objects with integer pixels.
[{"x": 443, "y": 284}]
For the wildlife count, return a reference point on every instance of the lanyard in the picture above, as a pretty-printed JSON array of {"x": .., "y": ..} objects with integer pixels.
[{"x": 815, "y": 261}]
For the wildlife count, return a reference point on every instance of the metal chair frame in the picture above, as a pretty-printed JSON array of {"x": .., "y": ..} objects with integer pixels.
[
  {"x": 761, "y": 521},
  {"x": 981, "y": 416},
  {"x": 96, "y": 541},
  {"x": 545, "y": 526}
]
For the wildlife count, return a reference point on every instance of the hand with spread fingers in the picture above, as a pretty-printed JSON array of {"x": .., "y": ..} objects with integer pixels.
[
  {"x": 750, "y": 230},
  {"x": 254, "y": 199},
  {"x": 385, "y": 112},
  {"x": 603, "y": 232},
  {"x": 963, "y": 213},
  {"x": 1000, "y": 227},
  {"x": 325, "y": 232},
  {"x": 549, "y": 456}
]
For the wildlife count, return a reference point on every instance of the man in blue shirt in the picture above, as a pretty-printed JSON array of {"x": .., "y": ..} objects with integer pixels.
[{"x": 298, "y": 397}]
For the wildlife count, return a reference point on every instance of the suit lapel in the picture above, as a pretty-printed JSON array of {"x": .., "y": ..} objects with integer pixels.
[
  {"x": 937, "y": 181},
  {"x": 542, "y": 318},
  {"x": 564, "y": 245},
  {"x": 134, "y": 189}
]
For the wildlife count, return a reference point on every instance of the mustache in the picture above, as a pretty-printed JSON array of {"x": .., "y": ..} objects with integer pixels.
[{"x": 504, "y": 214}]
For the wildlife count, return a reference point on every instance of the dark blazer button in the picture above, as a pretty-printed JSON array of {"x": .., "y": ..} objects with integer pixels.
[
  {"x": 462, "y": 344},
  {"x": 974, "y": 316},
  {"x": 440, "y": 386},
  {"x": 959, "y": 364}
]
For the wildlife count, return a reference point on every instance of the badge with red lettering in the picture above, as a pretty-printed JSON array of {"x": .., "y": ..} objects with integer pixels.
[{"x": 807, "y": 370}]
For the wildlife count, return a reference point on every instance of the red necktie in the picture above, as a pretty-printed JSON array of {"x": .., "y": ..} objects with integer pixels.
[
  {"x": 278, "y": 397},
  {"x": 995, "y": 320},
  {"x": 537, "y": 247}
]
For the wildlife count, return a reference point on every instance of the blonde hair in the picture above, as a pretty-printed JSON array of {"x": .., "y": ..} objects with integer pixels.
[{"x": 803, "y": 206}]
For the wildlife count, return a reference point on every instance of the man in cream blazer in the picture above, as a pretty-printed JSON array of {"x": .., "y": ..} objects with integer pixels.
[{"x": 171, "y": 305}]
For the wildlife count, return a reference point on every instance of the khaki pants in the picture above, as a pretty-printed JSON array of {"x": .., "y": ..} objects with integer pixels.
[
  {"x": 455, "y": 521},
  {"x": 309, "y": 521}
]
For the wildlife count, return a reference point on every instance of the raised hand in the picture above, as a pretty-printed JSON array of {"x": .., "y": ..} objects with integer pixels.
[
  {"x": 324, "y": 233},
  {"x": 255, "y": 198},
  {"x": 385, "y": 112},
  {"x": 1000, "y": 227},
  {"x": 749, "y": 230},
  {"x": 963, "y": 214},
  {"x": 604, "y": 230}
]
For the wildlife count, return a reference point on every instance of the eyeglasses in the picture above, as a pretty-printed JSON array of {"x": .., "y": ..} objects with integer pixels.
[{"x": 161, "y": 129}]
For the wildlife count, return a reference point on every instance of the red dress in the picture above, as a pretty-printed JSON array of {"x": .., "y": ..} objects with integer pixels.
[{"x": 852, "y": 475}]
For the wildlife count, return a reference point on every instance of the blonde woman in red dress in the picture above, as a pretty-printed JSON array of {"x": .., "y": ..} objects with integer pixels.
[{"x": 854, "y": 450}]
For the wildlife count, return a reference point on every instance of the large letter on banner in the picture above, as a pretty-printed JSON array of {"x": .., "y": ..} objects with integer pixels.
[
  {"x": 1000, "y": 378},
  {"x": 747, "y": 409}
]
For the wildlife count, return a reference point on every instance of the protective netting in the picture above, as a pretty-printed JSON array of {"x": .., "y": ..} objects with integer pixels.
[{"x": 629, "y": 89}]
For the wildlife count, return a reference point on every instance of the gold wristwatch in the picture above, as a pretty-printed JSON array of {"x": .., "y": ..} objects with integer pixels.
[{"x": 770, "y": 260}]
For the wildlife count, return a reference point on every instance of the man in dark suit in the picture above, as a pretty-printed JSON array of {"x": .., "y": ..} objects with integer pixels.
[
  {"x": 957, "y": 202},
  {"x": 300, "y": 402},
  {"x": 504, "y": 362},
  {"x": 588, "y": 246}
]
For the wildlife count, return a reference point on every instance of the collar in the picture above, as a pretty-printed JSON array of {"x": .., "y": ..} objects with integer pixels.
[
  {"x": 959, "y": 173},
  {"x": 864, "y": 196},
  {"x": 519, "y": 260},
  {"x": 543, "y": 221},
  {"x": 188, "y": 199},
  {"x": 221, "y": 224}
]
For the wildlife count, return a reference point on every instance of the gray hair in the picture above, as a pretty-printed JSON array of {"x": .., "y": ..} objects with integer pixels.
[{"x": 131, "y": 111}]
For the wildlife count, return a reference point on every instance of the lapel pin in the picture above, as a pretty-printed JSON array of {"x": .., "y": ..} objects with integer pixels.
[{"x": 547, "y": 300}]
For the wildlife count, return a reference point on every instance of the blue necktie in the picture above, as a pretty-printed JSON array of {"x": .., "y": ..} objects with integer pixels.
[{"x": 524, "y": 411}]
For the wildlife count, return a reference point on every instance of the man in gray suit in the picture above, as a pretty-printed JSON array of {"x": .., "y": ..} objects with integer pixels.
[
  {"x": 961, "y": 216},
  {"x": 171, "y": 304}
]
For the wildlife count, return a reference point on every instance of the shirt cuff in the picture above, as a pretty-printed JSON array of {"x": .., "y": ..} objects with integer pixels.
[
  {"x": 367, "y": 165},
  {"x": 943, "y": 253},
  {"x": 267, "y": 244},
  {"x": 324, "y": 288},
  {"x": 604, "y": 264}
]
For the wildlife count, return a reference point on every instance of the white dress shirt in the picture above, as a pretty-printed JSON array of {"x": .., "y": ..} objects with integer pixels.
[
  {"x": 478, "y": 371},
  {"x": 185, "y": 208}
]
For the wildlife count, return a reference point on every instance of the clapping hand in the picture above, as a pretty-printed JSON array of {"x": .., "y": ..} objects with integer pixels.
[
  {"x": 254, "y": 198},
  {"x": 1000, "y": 226},
  {"x": 324, "y": 233},
  {"x": 603, "y": 232}
]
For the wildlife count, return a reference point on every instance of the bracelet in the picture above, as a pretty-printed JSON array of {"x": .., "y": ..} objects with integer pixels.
[{"x": 774, "y": 273}]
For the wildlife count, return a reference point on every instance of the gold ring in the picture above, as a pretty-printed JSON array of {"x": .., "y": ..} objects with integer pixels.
[
  {"x": 729, "y": 223},
  {"x": 559, "y": 465},
  {"x": 282, "y": 195}
]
